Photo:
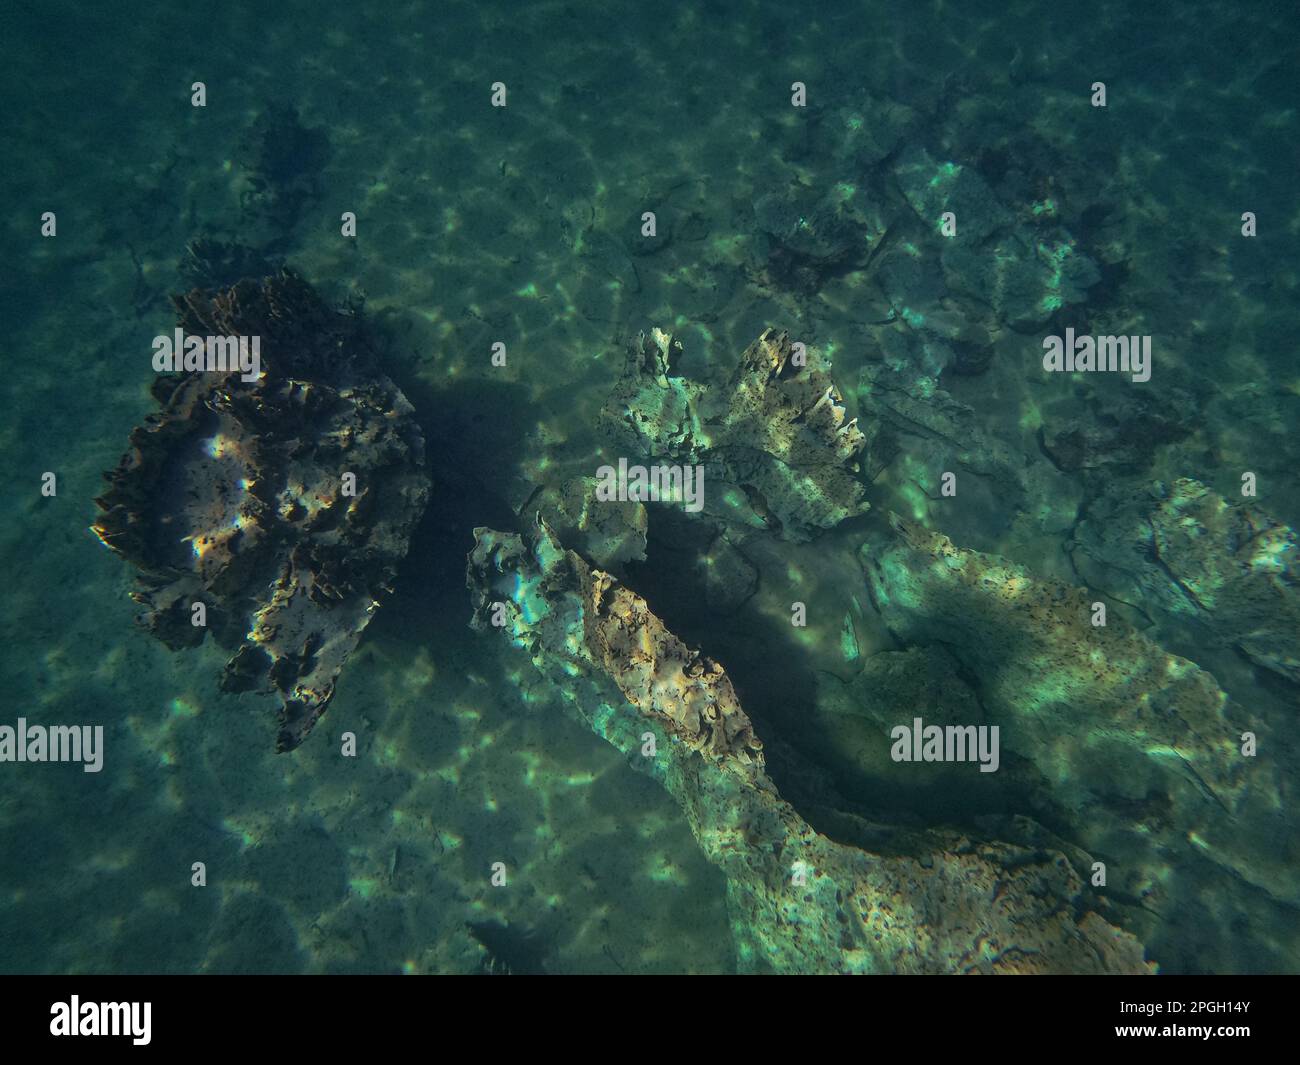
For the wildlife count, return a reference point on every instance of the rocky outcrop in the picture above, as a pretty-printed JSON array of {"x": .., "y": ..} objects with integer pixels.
[
  {"x": 1025, "y": 269},
  {"x": 799, "y": 902},
  {"x": 778, "y": 449},
  {"x": 807, "y": 235},
  {"x": 608, "y": 533},
  {"x": 1185, "y": 552},
  {"x": 1142, "y": 744},
  {"x": 282, "y": 504}
]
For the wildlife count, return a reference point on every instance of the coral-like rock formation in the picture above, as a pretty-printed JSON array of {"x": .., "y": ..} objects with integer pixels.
[
  {"x": 1142, "y": 742},
  {"x": 799, "y": 902},
  {"x": 776, "y": 433},
  {"x": 687, "y": 694},
  {"x": 282, "y": 504}
]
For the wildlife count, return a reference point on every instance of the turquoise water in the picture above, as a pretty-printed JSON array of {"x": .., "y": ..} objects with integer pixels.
[{"x": 523, "y": 225}]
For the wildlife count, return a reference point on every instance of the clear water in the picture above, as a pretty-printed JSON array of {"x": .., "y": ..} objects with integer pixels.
[{"x": 521, "y": 224}]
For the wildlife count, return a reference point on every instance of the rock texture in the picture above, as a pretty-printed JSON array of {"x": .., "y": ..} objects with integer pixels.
[
  {"x": 1025, "y": 269},
  {"x": 607, "y": 533},
  {"x": 233, "y": 495},
  {"x": 799, "y": 902},
  {"x": 1184, "y": 551},
  {"x": 1142, "y": 743},
  {"x": 777, "y": 447}
]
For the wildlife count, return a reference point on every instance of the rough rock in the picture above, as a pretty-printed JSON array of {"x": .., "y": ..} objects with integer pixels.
[
  {"x": 1025, "y": 272},
  {"x": 807, "y": 234},
  {"x": 1119, "y": 429},
  {"x": 862, "y": 132},
  {"x": 799, "y": 902},
  {"x": 232, "y": 495},
  {"x": 774, "y": 431},
  {"x": 608, "y": 533},
  {"x": 1143, "y": 743},
  {"x": 1184, "y": 551}
]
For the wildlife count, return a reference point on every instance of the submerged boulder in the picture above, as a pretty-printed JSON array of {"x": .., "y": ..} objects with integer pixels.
[
  {"x": 272, "y": 511},
  {"x": 1026, "y": 273},
  {"x": 807, "y": 235}
]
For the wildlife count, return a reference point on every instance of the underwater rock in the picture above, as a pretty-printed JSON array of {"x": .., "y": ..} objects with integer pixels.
[
  {"x": 1118, "y": 429},
  {"x": 653, "y": 410},
  {"x": 1026, "y": 279},
  {"x": 861, "y": 133},
  {"x": 807, "y": 235},
  {"x": 798, "y": 902},
  {"x": 932, "y": 188},
  {"x": 729, "y": 578},
  {"x": 857, "y": 710},
  {"x": 685, "y": 693},
  {"x": 212, "y": 263},
  {"x": 509, "y": 951},
  {"x": 283, "y": 504},
  {"x": 1025, "y": 273},
  {"x": 1143, "y": 743},
  {"x": 775, "y": 431},
  {"x": 899, "y": 402},
  {"x": 950, "y": 332},
  {"x": 607, "y": 533},
  {"x": 1185, "y": 551}
]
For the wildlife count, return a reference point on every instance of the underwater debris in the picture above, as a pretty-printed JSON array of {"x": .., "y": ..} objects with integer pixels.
[
  {"x": 276, "y": 509},
  {"x": 1143, "y": 741},
  {"x": 773, "y": 439},
  {"x": 798, "y": 902}
]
